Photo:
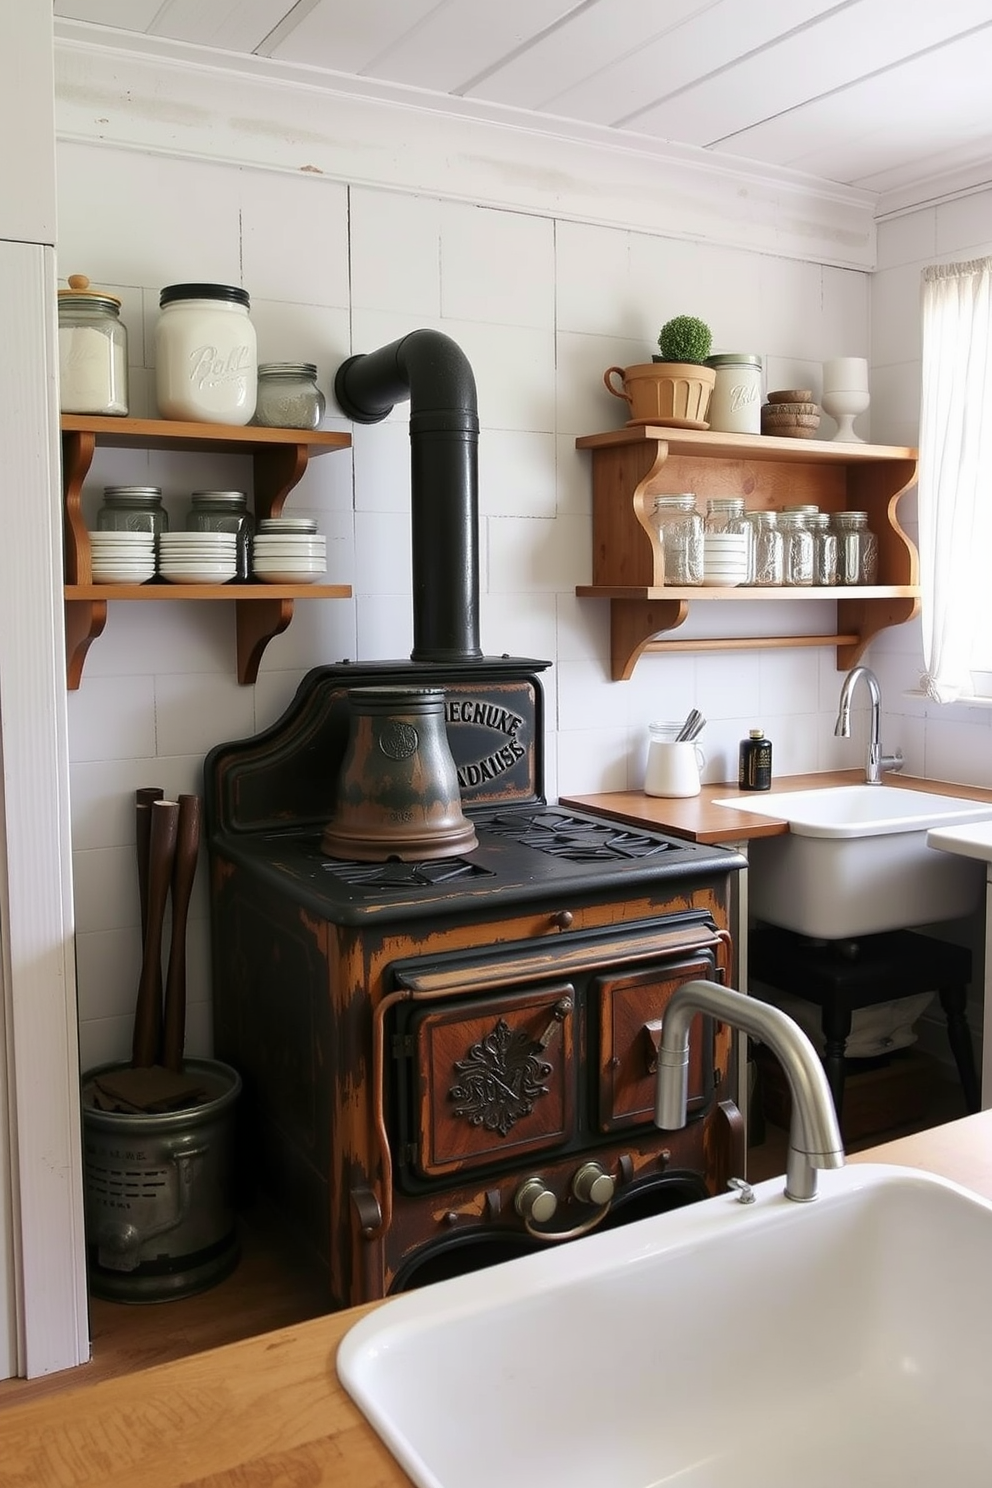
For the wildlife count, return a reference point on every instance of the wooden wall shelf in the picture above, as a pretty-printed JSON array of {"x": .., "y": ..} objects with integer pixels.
[
  {"x": 279, "y": 460},
  {"x": 632, "y": 466}
]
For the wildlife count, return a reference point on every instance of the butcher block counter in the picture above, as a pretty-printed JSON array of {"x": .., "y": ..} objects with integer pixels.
[
  {"x": 268, "y": 1412},
  {"x": 697, "y": 818}
]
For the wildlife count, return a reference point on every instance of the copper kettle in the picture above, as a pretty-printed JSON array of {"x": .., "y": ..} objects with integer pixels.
[{"x": 398, "y": 793}]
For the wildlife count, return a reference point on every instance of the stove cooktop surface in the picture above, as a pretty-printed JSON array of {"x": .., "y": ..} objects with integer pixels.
[{"x": 523, "y": 854}]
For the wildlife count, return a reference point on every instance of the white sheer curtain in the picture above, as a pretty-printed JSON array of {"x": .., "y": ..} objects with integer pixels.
[{"x": 955, "y": 471}]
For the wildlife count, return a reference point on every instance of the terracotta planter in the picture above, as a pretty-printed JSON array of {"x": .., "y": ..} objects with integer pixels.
[{"x": 673, "y": 394}]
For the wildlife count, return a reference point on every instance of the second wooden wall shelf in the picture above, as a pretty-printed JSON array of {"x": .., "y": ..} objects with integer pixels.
[{"x": 633, "y": 465}]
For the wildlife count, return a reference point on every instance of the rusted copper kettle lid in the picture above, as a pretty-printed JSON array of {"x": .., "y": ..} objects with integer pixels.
[{"x": 398, "y": 794}]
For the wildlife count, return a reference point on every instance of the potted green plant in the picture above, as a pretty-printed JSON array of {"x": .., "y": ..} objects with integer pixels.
[
  {"x": 684, "y": 340},
  {"x": 673, "y": 389}
]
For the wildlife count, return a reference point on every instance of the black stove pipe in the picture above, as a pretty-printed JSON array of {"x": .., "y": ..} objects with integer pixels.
[{"x": 434, "y": 373}]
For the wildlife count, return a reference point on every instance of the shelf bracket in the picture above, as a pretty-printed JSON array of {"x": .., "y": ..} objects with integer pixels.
[
  {"x": 84, "y": 621},
  {"x": 258, "y": 622},
  {"x": 868, "y": 618},
  {"x": 633, "y": 625}
]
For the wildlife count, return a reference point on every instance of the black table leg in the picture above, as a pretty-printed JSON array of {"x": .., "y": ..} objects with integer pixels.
[{"x": 954, "y": 1001}]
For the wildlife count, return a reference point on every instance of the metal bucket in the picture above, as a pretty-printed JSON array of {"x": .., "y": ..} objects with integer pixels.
[{"x": 158, "y": 1186}]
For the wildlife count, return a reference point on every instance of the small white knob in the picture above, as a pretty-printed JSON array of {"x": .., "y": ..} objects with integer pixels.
[
  {"x": 534, "y": 1201},
  {"x": 593, "y": 1185}
]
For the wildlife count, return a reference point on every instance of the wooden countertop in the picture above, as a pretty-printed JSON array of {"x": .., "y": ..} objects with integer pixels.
[
  {"x": 697, "y": 818},
  {"x": 268, "y": 1412}
]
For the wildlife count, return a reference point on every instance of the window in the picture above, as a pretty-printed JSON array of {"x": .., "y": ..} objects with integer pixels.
[{"x": 955, "y": 477}]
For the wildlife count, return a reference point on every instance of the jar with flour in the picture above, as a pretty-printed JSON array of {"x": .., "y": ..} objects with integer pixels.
[
  {"x": 206, "y": 361},
  {"x": 92, "y": 350}
]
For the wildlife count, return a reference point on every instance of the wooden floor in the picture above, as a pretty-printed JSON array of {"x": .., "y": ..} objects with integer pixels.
[{"x": 274, "y": 1285}]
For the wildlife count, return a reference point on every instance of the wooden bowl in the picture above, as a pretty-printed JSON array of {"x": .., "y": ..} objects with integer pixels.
[
  {"x": 792, "y": 395},
  {"x": 798, "y": 420}
]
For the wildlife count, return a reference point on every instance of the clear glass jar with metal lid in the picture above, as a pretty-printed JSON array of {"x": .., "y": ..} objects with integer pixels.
[
  {"x": 797, "y": 549},
  {"x": 92, "y": 350},
  {"x": 824, "y": 549},
  {"x": 857, "y": 548},
  {"x": 767, "y": 550},
  {"x": 132, "y": 509},
  {"x": 679, "y": 526},
  {"x": 288, "y": 396},
  {"x": 224, "y": 511},
  {"x": 735, "y": 403},
  {"x": 205, "y": 354}
]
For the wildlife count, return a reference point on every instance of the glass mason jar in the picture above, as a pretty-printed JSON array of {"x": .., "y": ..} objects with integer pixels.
[
  {"x": 735, "y": 403},
  {"x": 857, "y": 548},
  {"x": 132, "y": 509},
  {"x": 725, "y": 514},
  {"x": 680, "y": 530},
  {"x": 797, "y": 549},
  {"x": 768, "y": 549},
  {"x": 205, "y": 354},
  {"x": 824, "y": 549},
  {"x": 288, "y": 396},
  {"x": 92, "y": 350},
  {"x": 224, "y": 511}
]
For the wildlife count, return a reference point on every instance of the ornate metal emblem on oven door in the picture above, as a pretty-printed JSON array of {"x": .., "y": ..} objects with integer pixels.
[{"x": 501, "y": 1078}]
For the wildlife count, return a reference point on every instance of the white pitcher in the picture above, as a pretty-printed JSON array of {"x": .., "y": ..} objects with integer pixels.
[{"x": 674, "y": 766}]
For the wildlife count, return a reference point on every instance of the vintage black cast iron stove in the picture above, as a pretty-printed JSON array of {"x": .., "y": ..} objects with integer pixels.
[{"x": 448, "y": 1061}]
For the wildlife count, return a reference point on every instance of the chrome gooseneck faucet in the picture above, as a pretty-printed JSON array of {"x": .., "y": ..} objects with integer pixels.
[
  {"x": 877, "y": 761},
  {"x": 814, "y": 1136}
]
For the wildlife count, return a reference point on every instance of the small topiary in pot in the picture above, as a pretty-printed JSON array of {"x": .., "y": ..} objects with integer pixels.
[{"x": 684, "y": 339}]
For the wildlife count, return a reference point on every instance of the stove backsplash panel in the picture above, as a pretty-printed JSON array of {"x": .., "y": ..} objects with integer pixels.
[{"x": 287, "y": 775}]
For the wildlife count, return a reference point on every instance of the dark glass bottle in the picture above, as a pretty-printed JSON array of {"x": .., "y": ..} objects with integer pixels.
[{"x": 755, "y": 771}]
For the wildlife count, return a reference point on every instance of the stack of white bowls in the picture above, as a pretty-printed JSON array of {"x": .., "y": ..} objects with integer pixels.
[
  {"x": 725, "y": 559},
  {"x": 289, "y": 550},
  {"x": 198, "y": 557},
  {"x": 122, "y": 557}
]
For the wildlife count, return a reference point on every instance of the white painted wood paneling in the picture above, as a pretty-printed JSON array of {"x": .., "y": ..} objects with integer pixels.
[
  {"x": 27, "y": 209},
  {"x": 292, "y": 121},
  {"x": 346, "y": 37},
  {"x": 35, "y": 866},
  {"x": 540, "y": 75},
  {"x": 714, "y": 73}
]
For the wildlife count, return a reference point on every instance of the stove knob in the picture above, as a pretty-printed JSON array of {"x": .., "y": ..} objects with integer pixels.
[
  {"x": 534, "y": 1201},
  {"x": 593, "y": 1185}
]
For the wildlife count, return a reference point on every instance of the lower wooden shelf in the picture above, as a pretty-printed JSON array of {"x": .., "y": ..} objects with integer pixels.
[
  {"x": 262, "y": 612},
  {"x": 639, "y": 615}
]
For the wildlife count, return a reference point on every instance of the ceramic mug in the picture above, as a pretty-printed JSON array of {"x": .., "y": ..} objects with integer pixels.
[{"x": 673, "y": 768}]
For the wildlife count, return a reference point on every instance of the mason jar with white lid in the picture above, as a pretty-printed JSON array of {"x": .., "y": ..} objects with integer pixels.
[
  {"x": 735, "y": 403},
  {"x": 206, "y": 359}
]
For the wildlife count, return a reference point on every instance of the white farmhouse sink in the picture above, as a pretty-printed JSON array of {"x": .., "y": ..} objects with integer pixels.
[
  {"x": 855, "y": 860},
  {"x": 843, "y": 1341}
]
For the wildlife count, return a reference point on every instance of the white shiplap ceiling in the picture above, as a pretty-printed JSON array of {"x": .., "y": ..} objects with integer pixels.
[{"x": 890, "y": 96}]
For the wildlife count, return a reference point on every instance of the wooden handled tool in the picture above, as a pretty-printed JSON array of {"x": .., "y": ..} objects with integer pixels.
[
  {"x": 143, "y": 799},
  {"x": 148, "y": 1012},
  {"x": 183, "y": 873}
]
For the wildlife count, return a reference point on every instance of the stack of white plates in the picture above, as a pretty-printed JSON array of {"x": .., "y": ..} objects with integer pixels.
[
  {"x": 122, "y": 557},
  {"x": 198, "y": 557},
  {"x": 286, "y": 553},
  {"x": 725, "y": 559}
]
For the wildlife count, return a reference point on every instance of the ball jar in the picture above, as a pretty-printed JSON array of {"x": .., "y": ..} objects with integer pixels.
[{"x": 206, "y": 357}]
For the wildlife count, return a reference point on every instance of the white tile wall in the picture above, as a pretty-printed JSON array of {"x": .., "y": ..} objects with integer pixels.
[{"x": 541, "y": 309}]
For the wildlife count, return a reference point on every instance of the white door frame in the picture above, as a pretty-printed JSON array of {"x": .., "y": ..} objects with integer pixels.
[{"x": 42, "y": 1252}]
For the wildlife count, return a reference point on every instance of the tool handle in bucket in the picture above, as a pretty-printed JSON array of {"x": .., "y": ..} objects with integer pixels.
[
  {"x": 148, "y": 1012},
  {"x": 183, "y": 873},
  {"x": 144, "y": 797}
]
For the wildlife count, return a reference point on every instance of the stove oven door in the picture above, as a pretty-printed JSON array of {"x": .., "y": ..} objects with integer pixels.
[
  {"x": 489, "y": 1080},
  {"x": 628, "y": 1007}
]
